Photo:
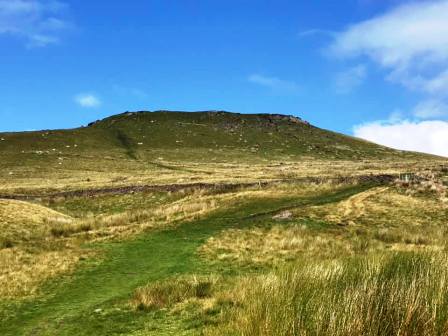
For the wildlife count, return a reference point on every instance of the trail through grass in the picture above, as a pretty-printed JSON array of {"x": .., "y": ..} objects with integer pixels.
[{"x": 69, "y": 305}]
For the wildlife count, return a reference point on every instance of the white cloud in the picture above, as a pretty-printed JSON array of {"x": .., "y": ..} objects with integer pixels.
[
  {"x": 38, "y": 22},
  {"x": 274, "y": 83},
  {"x": 425, "y": 136},
  {"x": 431, "y": 108},
  {"x": 350, "y": 79},
  {"x": 411, "y": 41},
  {"x": 88, "y": 100}
]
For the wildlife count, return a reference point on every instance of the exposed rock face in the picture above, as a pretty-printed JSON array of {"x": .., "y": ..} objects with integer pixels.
[
  {"x": 271, "y": 118},
  {"x": 290, "y": 118}
]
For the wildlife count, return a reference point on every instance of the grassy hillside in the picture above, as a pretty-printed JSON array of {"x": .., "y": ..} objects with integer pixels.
[
  {"x": 142, "y": 135},
  {"x": 147, "y": 147},
  {"x": 237, "y": 134}
]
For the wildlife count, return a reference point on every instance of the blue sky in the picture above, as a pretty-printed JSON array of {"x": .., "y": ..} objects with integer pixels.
[{"x": 374, "y": 68}]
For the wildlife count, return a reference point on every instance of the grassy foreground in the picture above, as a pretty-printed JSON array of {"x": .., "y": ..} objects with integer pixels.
[{"x": 68, "y": 307}]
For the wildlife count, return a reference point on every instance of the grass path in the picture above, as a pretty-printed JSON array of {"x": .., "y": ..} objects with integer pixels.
[
  {"x": 69, "y": 306},
  {"x": 353, "y": 208}
]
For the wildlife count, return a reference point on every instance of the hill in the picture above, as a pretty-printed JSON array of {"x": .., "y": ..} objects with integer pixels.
[
  {"x": 146, "y": 147},
  {"x": 269, "y": 135},
  {"x": 140, "y": 135}
]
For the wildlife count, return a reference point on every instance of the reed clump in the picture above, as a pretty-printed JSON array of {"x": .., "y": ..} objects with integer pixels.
[{"x": 387, "y": 294}]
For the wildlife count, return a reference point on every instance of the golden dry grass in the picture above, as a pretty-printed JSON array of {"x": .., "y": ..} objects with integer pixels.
[
  {"x": 27, "y": 256},
  {"x": 22, "y": 180},
  {"x": 21, "y": 271},
  {"x": 386, "y": 294},
  {"x": 274, "y": 244},
  {"x": 23, "y": 220},
  {"x": 397, "y": 218},
  {"x": 375, "y": 220},
  {"x": 164, "y": 294}
]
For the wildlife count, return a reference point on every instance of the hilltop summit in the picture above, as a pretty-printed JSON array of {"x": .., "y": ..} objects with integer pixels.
[{"x": 211, "y": 114}]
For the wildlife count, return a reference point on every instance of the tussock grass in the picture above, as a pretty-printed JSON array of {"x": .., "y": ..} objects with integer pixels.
[
  {"x": 166, "y": 293},
  {"x": 398, "y": 294}
]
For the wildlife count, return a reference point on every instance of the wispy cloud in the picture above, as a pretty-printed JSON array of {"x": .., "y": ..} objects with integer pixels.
[
  {"x": 411, "y": 41},
  {"x": 276, "y": 84},
  {"x": 38, "y": 22},
  {"x": 421, "y": 136},
  {"x": 348, "y": 80},
  {"x": 437, "y": 85},
  {"x": 431, "y": 108},
  {"x": 88, "y": 100}
]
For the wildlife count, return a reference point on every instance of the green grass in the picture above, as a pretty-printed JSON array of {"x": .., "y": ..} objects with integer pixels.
[
  {"x": 111, "y": 204},
  {"x": 68, "y": 307}
]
